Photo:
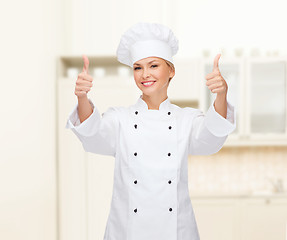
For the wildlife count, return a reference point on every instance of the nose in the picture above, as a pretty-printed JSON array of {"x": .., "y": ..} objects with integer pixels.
[{"x": 146, "y": 73}]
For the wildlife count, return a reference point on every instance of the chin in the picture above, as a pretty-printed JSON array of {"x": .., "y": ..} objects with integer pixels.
[{"x": 150, "y": 93}]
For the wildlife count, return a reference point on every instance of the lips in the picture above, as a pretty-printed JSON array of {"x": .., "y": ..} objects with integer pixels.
[{"x": 147, "y": 81}]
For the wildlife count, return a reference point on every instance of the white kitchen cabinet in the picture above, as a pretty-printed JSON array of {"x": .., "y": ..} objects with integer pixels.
[
  {"x": 257, "y": 88},
  {"x": 217, "y": 219},
  {"x": 241, "y": 218},
  {"x": 264, "y": 218},
  {"x": 266, "y": 84}
]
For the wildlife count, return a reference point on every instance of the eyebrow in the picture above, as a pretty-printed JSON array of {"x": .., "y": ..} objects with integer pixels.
[{"x": 148, "y": 62}]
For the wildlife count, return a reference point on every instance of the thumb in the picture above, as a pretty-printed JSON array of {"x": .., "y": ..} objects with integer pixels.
[
  {"x": 86, "y": 64},
  {"x": 216, "y": 60}
]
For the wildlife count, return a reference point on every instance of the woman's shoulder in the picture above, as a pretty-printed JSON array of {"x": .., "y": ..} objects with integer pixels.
[
  {"x": 123, "y": 111},
  {"x": 117, "y": 111},
  {"x": 185, "y": 110}
]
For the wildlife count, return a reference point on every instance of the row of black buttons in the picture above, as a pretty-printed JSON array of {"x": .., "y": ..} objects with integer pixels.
[
  {"x": 137, "y": 154},
  {"x": 136, "y": 112},
  {"x": 135, "y": 210},
  {"x": 135, "y": 181},
  {"x": 169, "y": 127}
]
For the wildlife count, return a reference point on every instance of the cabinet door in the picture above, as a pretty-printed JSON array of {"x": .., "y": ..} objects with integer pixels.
[
  {"x": 217, "y": 219},
  {"x": 264, "y": 219},
  {"x": 266, "y": 97}
]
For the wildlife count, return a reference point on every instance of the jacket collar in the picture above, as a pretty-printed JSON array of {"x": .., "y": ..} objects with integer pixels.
[{"x": 141, "y": 104}]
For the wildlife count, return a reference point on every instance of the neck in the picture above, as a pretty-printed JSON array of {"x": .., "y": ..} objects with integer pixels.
[{"x": 154, "y": 101}]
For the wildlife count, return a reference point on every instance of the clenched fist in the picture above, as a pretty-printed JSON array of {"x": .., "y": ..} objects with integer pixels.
[
  {"x": 215, "y": 81},
  {"x": 84, "y": 81}
]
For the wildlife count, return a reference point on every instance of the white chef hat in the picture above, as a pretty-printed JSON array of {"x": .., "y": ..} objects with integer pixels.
[{"x": 144, "y": 40}]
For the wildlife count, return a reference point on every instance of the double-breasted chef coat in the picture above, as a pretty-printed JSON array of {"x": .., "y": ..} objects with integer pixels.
[{"x": 150, "y": 199}]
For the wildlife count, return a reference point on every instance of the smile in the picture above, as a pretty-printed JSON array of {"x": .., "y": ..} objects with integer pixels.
[{"x": 148, "y": 83}]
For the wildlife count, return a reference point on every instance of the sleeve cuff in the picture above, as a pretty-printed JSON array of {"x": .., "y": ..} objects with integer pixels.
[
  {"x": 87, "y": 127},
  {"x": 218, "y": 125}
]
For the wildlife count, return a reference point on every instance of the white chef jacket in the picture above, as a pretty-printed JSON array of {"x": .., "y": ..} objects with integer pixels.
[{"x": 150, "y": 199}]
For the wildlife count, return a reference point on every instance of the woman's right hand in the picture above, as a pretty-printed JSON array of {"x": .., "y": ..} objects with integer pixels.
[{"x": 84, "y": 81}]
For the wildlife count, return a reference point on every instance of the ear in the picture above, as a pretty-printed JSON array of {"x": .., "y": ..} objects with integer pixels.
[{"x": 171, "y": 73}]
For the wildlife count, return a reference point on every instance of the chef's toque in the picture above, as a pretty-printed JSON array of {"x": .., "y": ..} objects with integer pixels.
[{"x": 144, "y": 40}]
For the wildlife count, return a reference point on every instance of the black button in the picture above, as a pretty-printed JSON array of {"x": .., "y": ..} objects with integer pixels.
[
  {"x": 169, "y": 182},
  {"x": 169, "y": 113},
  {"x": 135, "y": 210},
  {"x": 170, "y": 209},
  {"x": 135, "y": 182},
  {"x": 169, "y": 127},
  {"x": 136, "y": 112},
  {"x": 135, "y": 154},
  {"x": 169, "y": 154},
  {"x": 135, "y": 126}
]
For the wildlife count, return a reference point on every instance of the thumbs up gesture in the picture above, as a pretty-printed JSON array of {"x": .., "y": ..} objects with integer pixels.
[
  {"x": 84, "y": 81},
  {"x": 215, "y": 81}
]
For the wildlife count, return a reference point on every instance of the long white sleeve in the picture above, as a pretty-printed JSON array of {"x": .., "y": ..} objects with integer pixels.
[
  {"x": 209, "y": 131},
  {"x": 97, "y": 134}
]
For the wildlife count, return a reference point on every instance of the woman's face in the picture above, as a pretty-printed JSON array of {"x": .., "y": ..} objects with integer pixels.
[{"x": 153, "y": 71}]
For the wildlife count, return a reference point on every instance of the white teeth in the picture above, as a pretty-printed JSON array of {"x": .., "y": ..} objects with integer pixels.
[{"x": 148, "y": 83}]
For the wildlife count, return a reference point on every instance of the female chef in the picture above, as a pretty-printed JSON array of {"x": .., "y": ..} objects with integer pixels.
[{"x": 151, "y": 139}]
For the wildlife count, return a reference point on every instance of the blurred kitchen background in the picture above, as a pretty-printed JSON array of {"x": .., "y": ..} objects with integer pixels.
[{"x": 50, "y": 189}]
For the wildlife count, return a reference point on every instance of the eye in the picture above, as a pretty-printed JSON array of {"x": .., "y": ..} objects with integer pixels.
[
  {"x": 154, "y": 65},
  {"x": 136, "y": 68}
]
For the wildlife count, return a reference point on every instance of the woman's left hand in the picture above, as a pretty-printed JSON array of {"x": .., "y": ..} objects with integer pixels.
[{"x": 215, "y": 81}]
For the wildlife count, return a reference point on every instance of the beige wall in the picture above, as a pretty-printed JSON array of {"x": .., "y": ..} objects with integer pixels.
[{"x": 30, "y": 40}]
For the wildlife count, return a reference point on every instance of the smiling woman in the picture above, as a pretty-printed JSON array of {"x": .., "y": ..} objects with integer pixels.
[
  {"x": 152, "y": 76},
  {"x": 151, "y": 140}
]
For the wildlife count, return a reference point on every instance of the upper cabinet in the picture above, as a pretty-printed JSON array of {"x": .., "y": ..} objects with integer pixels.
[
  {"x": 257, "y": 89},
  {"x": 267, "y": 96}
]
